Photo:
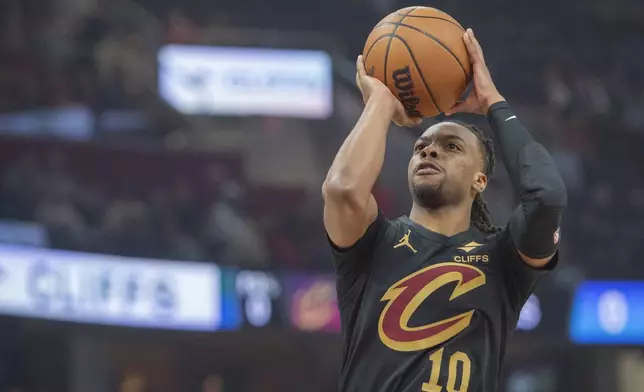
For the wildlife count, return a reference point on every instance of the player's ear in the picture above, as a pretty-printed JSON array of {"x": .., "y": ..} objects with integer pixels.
[{"x": 480, "y": 182}]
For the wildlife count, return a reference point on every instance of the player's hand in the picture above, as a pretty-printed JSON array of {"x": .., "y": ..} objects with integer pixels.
[
  {"x": 484, "y": 94},
  {"x": 371, "y": 87}
]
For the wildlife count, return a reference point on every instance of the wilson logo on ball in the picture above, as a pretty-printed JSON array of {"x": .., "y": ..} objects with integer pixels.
[{"x": 405, "y": 87}]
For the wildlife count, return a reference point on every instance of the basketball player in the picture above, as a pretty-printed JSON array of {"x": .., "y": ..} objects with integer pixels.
[{"x": 429, "y": 301}]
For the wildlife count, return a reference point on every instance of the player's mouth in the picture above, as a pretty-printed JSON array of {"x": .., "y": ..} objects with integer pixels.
[{"x": 428, "y": 168}]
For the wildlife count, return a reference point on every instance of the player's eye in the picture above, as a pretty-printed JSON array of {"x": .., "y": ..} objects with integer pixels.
[
  {"x": 419, "y": 147},
  {"x": 453, "y": 146}
]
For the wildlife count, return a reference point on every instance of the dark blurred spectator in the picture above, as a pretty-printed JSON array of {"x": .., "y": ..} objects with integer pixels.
[
  {"x": 181, "y": 29},
  {"x": 125, "y": 67},
  {"x": 213, "y": 383},
  {"x": 127, "y": 230},
  {"x": 558, "y": 92},
  {"x": 19, "y": 188},
  {"x": 133, "y": 383},
  {"x": 65, "y": 224},
  {"x": 187, "y": 209},
  {"x": 228, "y": 221}
]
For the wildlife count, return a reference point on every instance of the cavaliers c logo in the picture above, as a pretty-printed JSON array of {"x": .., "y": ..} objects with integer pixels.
[{"x": 405, "y": 296}]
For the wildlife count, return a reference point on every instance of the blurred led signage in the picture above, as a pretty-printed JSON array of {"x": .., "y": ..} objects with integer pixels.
[
  {"x": 313, "y": 303},
  {"x": 258, "y": 293},
  {"x": 204, "y": 80},
  {"x": 608, "y": 312},
  {"x": 101, "y": 289}
]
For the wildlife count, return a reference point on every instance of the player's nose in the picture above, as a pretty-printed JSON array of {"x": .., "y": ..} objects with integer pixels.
[{"x": 430, "y": 151}]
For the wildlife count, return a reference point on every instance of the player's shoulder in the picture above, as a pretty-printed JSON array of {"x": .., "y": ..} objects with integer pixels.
[
  {"x": 384, "y": 223},
  {"x": 501, "y": 238},
  {"x": 399, "y": 222},
  {"x": 399, "y": 225},
  {"x": 391, "y": 230},
  {"x": 498, "y": 245},
  {"x": 491, "y": 241}
]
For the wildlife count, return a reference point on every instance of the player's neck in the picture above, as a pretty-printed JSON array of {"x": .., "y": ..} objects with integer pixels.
[{"x": 448, "y": 220}]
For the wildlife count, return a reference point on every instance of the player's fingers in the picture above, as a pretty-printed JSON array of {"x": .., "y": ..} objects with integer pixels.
[
  {"x": 459, "y": 107},
  {"x": 360, "y": 67},
  {"x": 412, "y": 121},
  {"x": 473, "y": 47},
  {"x": 475, "y": 55},
  {"x": 403, "y": 120},
  {"x": 407, "y": 123},
  {"x": 477, "y": 44}
]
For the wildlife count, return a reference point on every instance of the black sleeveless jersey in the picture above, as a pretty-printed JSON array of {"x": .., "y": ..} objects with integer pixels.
[{"x": 422, "y": 311}]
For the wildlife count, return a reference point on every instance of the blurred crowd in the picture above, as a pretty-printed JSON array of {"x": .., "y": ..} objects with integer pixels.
[{"x": 160, "y": 206}]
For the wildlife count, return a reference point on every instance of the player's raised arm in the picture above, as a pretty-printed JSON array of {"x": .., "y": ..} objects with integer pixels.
[
  {"x": 534, "y": 226},
  {"x": 349, "y": 206}
]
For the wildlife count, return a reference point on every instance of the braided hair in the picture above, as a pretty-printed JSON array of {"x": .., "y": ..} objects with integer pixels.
[{"x": 481, "y": 216}]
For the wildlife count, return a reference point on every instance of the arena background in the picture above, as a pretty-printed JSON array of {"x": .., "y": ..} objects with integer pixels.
[{"x": 161, "y": 163}]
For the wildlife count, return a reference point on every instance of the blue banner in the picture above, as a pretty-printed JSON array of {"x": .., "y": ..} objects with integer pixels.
[{"x": 609, "y": 312}]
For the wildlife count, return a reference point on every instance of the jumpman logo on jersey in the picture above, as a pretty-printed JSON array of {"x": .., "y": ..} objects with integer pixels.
[{"x": 405, "y": 242}]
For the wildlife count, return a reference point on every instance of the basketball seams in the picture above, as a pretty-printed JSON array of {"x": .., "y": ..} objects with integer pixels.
[
  {"x": 432, "y": 37},
  {"x": 420, "y": 72},
  {"x": 447, "y": 17},
  {"x": 377, "y": 39},
  {"x": 393, "y": 34},
  {"x": 432, "y": 17},
  {"x": 366, "y": 56}
]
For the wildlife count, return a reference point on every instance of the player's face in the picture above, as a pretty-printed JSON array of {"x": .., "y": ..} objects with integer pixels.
[{"x": 446, "y": 166}]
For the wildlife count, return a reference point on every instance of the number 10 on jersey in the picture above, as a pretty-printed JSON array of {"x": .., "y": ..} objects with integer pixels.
[{"x": 458, "y": 360}]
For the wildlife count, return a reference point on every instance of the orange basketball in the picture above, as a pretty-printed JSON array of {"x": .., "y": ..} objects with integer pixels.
[{"x": 419, "y": 53}]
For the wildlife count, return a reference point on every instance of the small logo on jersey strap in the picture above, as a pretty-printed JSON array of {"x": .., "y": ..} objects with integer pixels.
[
  {"x": 470, "y": 246},
  {"x": 405, "y": 242},
  {"x": 405, "y": 297},
  {"x": 555, "y": 237}
]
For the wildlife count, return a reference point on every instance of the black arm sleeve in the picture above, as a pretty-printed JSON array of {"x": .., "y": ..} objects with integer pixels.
[
  {"x": 352, "y": 264},
  {"x": 534, "y": 226}
]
